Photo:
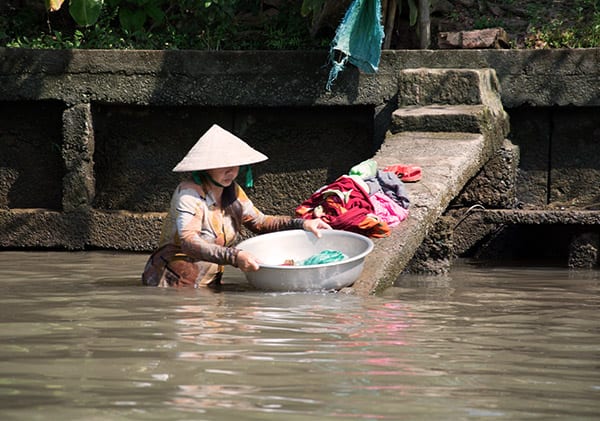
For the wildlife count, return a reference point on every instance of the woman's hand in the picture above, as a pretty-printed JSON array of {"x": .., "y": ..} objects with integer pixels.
[
  {"x": 246, "y": 262},
  {"x": 314, "y": 225}
]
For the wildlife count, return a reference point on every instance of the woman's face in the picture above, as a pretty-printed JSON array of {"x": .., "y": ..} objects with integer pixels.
[{"x": 224, "y": 176}]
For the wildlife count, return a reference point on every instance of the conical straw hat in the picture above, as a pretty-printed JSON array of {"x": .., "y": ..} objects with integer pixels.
[{"x": 218, "y": 148}]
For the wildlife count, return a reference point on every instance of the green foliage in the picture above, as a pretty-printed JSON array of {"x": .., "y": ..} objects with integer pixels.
[
  {"x": 556, "y": 24},
  {"x": 483, "y": 22},
  {"x": 259, "y": 24},
  {"x": 311, "y": 6},
  {"x": 413, "y": 11},
  {"x": 85, "y": 12},
  {"x": 314, "y": 6},
  {"x": 166, "y": 24},
  {"x": 577, "y": 26}
]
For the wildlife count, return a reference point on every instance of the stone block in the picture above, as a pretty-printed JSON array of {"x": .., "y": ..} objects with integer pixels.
[
  {"x": 77, "y": 153},
  {"x": 434, "y": 255},
  {"x": 575, "y": 158},
  {"x": 496, "y": 38},
  {"x": 438, "y": 118},
  {"x": 531, "y": 132},
  {"x": 583, "y": 251},
  {"x": 494, "y": 187},
  {"x": 440, "y": 86},
  {"x": 31, "y": 168}
]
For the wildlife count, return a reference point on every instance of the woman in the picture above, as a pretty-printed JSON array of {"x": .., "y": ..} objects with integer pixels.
[{"x": 207, "y": 214}]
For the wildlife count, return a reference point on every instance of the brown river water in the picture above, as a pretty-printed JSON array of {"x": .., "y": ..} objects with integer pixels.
[{"x": 81, "y": 339}]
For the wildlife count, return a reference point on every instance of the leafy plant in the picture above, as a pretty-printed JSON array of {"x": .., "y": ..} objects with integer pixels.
[
  {"x": 311, "y": 6},
  {"x": 483, "y": 22},
  {"x": 413, "y": 11},
  {"x": 84, "y": 12},
  {"x": 163, "y": 24},
  {"x": 134, "y": 15},
  {"x": 257, "y": 24},
  {"x": 575, "y": 27},
  {"x": 314, "y": 6}
]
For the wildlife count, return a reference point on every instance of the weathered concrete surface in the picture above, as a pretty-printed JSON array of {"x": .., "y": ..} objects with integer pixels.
[
  {"x": 448, "y": 160},
  {"x": 478, "y": 223},
  {"x": 92, "y": 134},
  {"x": 460, "y": 229},
  {"x": 80, "y": 229},
  {"x": 495, "y": 186},
  {"x": 575, "y": 159},
  {"x": 438, "y": 118},
  {"x": 526, "y": 77},
  {"x": 451, "y": 100},
  {"x": 78, "y": 156},
  {"x": 584, "y": 251},
  {"x": 559, "y": 156},
  {"x": 568, "y": 237},
  {"x": 541, "y": 217},
  {"x": 226, "y": 78},
  {"x": 473, "y": 133}
]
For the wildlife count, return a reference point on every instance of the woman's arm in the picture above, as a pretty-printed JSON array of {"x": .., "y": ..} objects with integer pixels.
[{"x": 258, "y": 222}]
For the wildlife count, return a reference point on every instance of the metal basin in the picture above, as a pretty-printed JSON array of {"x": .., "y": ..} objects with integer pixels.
[{"x": 273, "y": 249}]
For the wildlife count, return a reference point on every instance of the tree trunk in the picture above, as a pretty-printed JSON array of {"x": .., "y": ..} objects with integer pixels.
[
  {"x": 424, "y": 24},
  {"x": 389, "y": 16}
]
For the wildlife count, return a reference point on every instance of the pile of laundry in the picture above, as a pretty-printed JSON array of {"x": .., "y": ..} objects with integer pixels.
[{"x": 367, "y": 200}]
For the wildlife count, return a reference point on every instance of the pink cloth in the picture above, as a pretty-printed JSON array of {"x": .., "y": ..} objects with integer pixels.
[{"x": 387, "y": 209}]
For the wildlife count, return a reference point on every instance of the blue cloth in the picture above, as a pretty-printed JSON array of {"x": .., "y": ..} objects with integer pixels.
[
  {"x": 389, "y": 184},
  {"x": 357, "y": 39}
]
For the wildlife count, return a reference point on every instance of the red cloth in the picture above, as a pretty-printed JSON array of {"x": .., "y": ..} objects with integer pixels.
[{"x": 356, "y": 214}]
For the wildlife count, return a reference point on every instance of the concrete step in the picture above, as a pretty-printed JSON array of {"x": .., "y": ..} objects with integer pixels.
[
  {"x": 451, "y": 100},
  {"x": 78, "y": 230},
  {"x": 489, "y": 230},
  {"x": 448, "y": 161},
  {"x": 450, "y": 122},
  {"x": 449, "y": 86},
  {"x": 477, "y": 222},
  {"x": 440, "y": 118},
  {"x": 541, "y": 216}
]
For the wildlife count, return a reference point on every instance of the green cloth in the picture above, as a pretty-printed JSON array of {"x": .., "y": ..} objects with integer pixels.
[
  {"x": 365, "y": 169},
  {"x": 326, "y": 256}
]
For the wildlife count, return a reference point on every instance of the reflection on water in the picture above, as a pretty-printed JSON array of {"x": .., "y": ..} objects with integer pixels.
[{"x": 80, "y": 338}]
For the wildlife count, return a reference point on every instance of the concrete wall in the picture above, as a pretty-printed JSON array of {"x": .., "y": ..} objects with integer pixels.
[{"x": 88, "y": 138}]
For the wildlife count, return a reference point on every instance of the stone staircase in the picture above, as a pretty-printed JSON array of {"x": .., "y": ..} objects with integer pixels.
[{"x": 450, "y": 122}]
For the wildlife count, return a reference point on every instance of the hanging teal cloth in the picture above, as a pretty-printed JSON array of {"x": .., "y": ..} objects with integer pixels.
[
  {"x": 358, "y": 39},
  {"x": 249, "y": 179}
]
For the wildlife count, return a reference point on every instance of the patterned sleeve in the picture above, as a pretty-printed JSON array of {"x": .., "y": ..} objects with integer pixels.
[
  {"x": 258, "y": 222},
  {"x": 189, "y": 219}
]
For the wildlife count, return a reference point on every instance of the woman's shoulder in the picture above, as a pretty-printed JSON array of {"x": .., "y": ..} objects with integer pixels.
[
  {"x": 189, "y": 195},
  {"x": 189, "y": 187}
]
